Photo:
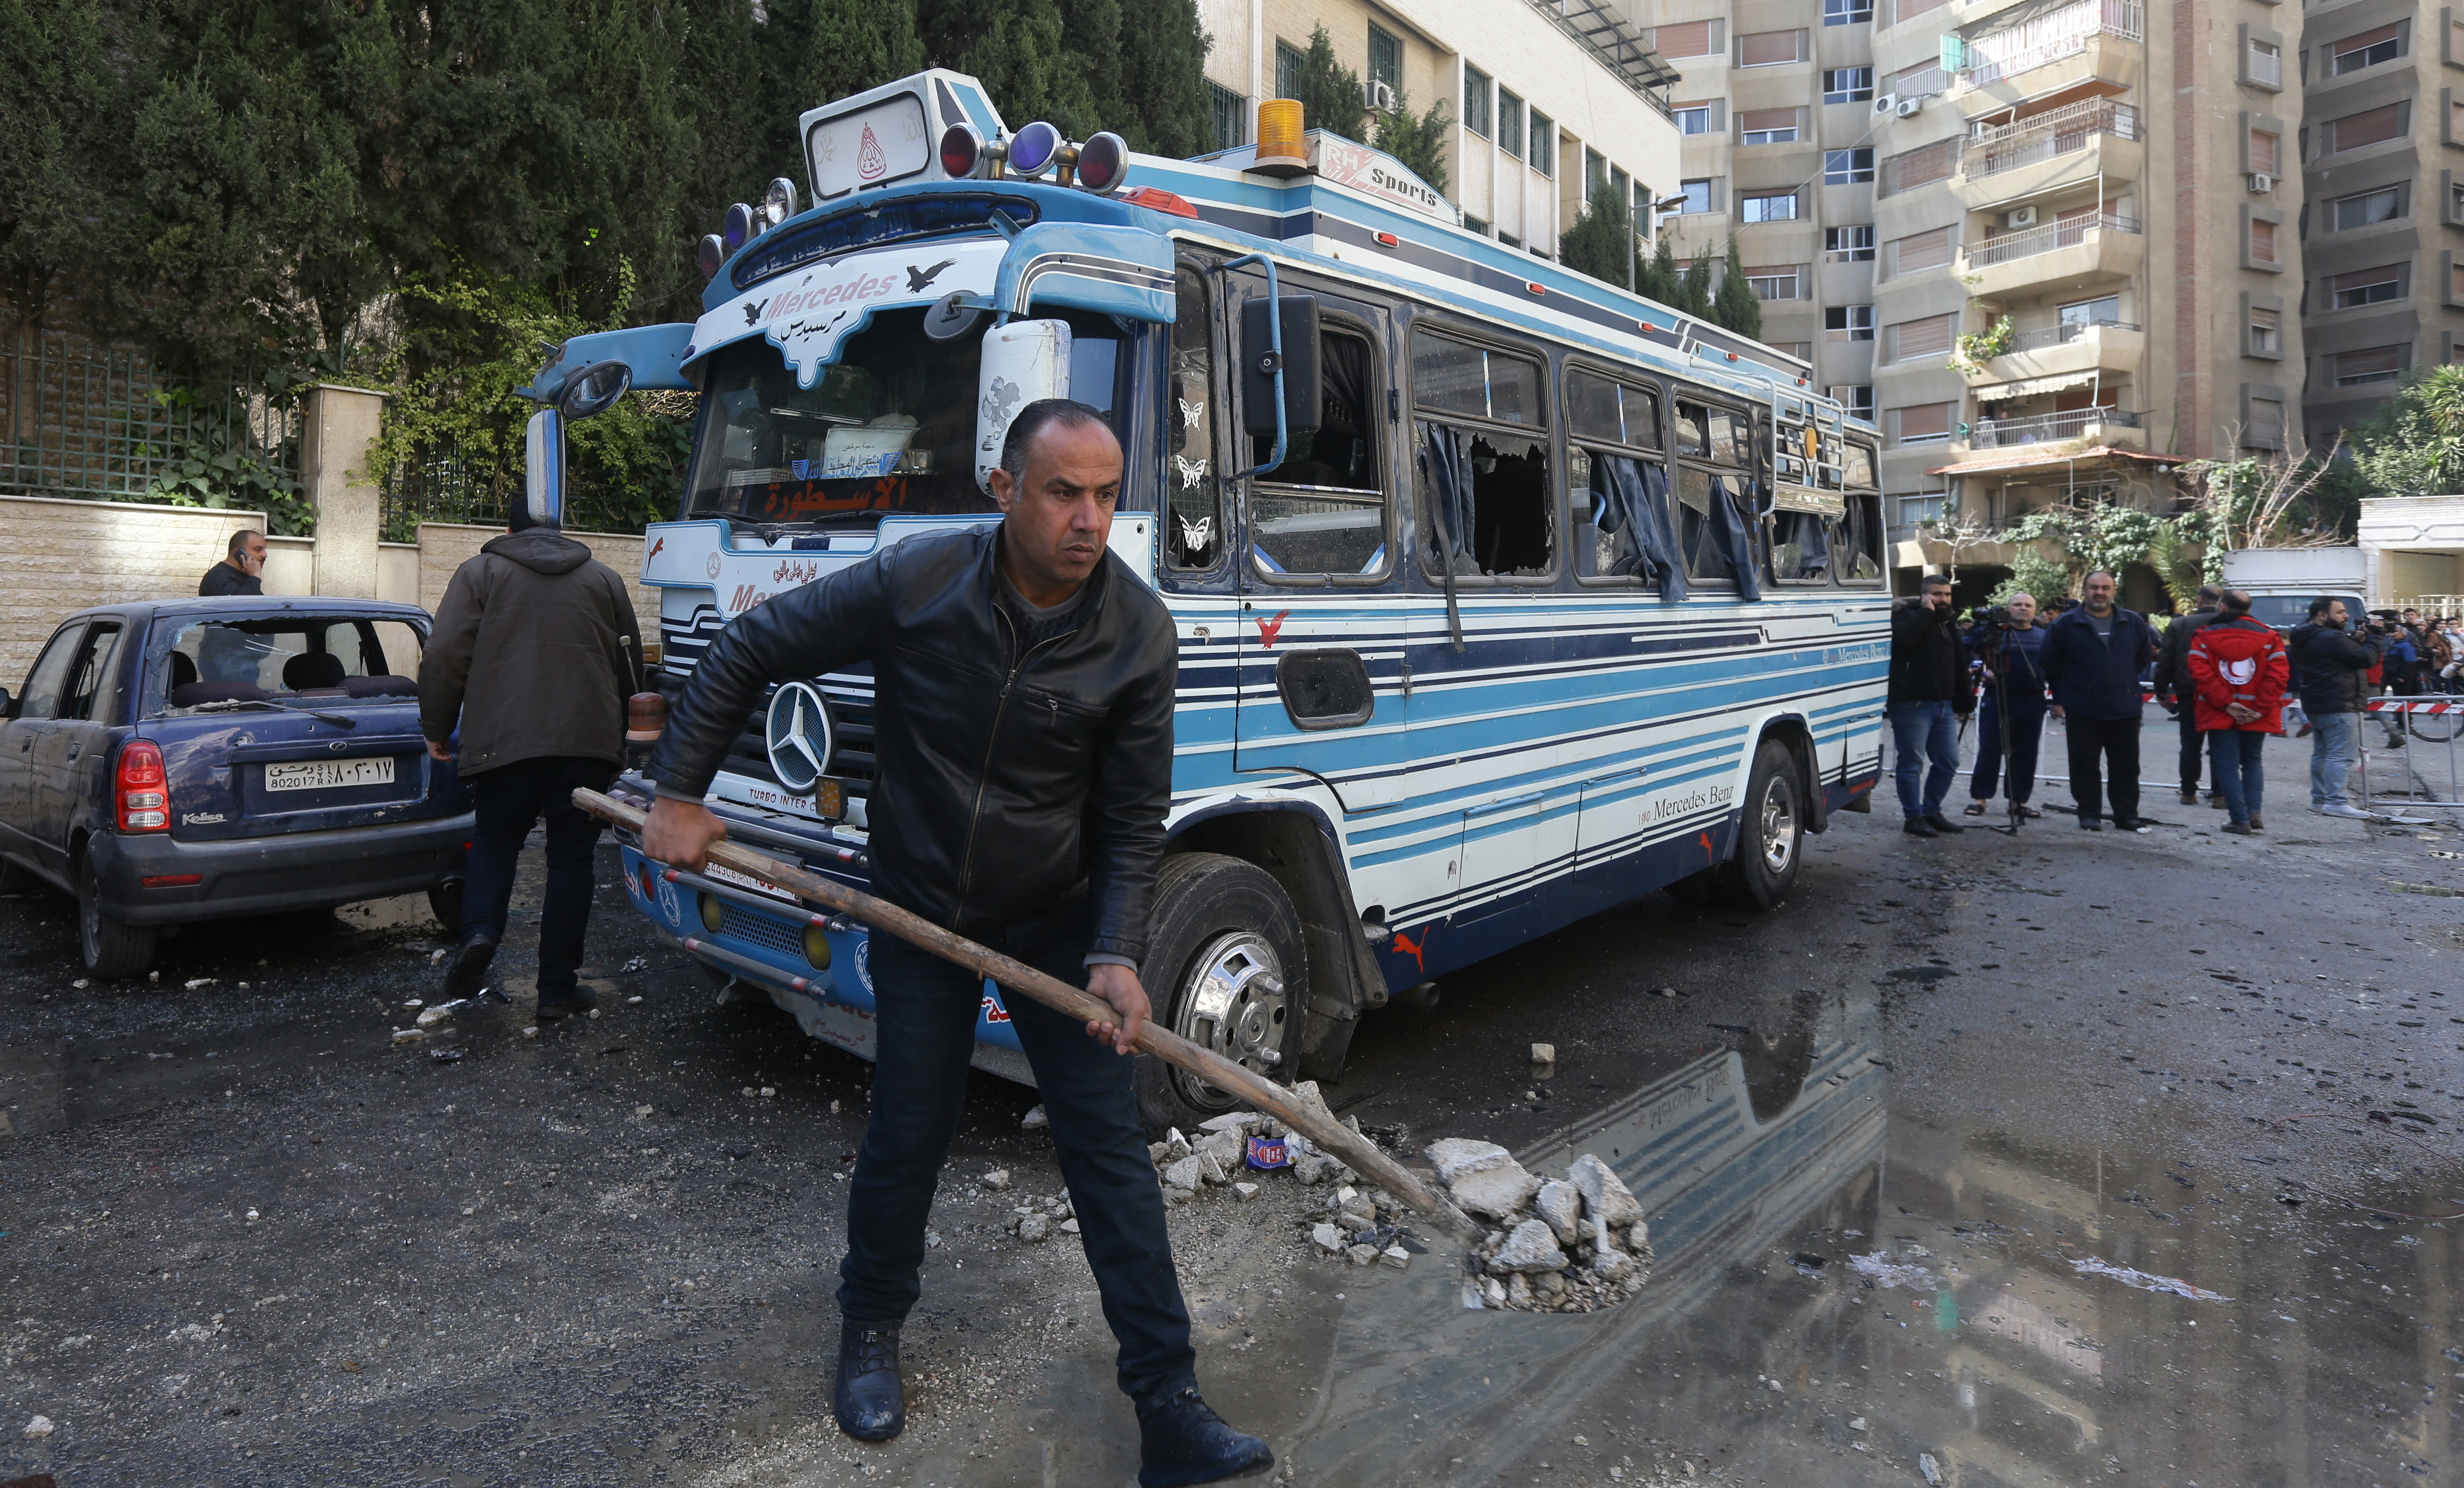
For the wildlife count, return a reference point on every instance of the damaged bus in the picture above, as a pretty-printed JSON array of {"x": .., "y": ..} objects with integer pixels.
[{"x": 1503, "y": 597}]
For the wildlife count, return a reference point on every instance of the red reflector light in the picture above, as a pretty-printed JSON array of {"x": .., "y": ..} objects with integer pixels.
[
  {"x": 962, "y": 149},
  {"x": 1732, "y": 355},
  {"x": 1536, "y": 287},
  {"x": 172, "y": 880},
  {"x": 138, "y": 787},
  {"x": 1648, "y": 327},
  {"x": 1387, "y": 240},
  {"x": 1159, "y": 199}
]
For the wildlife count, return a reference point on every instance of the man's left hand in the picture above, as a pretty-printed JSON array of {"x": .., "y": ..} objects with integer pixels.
[
  {"x": 437, "y": 750},
  {"x": 1118, "y": 985}
]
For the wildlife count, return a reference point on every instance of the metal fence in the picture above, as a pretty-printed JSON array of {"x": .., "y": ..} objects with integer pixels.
[
  {"x": 2423, "y": 772},
  {"x": 438, "y": 485},
  {"x": 105, "y": 424}
]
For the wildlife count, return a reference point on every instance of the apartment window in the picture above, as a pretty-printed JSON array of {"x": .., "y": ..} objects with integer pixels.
[
  {"x": 1771, "y": 48},
  {"x": 1848, "y": 323},
  {"x": 1920, "y": 424},
  {"x": 1289, "y": 63},
  {"x": 1930, "y": 249},
  {"x": 1922, "y": 166},
  {"x": 1927, "y": 336},
  {"x": 1857, "y": 398},
  {"x": 1385, "y": 60},
  {"x": 1544, "y": 143},
  {"x": 2264, "y": 428},
  {"x": 1472, "y": 224},
  {"x": 1847, "y": 13},
  {"x": 2266, "y": 332},
  {"x": 2369, "y": 126},
  {"x": 1692, "y": 117},
  {"x": 1847, "y": 84},
  {"x": 1510, "y": 122},
  {"x": 1687, "y": 38},
  {"x": 2263, "y": 64},
  {"x": 2368, "y": 50},
  {"x": 1696, "y": 198},
  {"x": 1595, "y": 173},
  {"x": 2262, "y": 242},
  {"x": 2374, "y": 365},
  {"x": 2455, "y": 283},
  {"x": 2456, "y": 121},
  {"x": 1848, "y": 245},
  {"x": 1846, "y": 167},
  {"x": 1767, "y": 126},
  {"x": 2365, "y": 287},
  {"x": 1782, "y": 281},
  {"x": 2364, "y": 208},
  {"x": 1230, "y": 112},
  {"x": 2264, "y": 148},
  {"x": 1802, "y": 351},
  {"x": 1767, "y": 207},
  {"x": 1476, "y": 101}
]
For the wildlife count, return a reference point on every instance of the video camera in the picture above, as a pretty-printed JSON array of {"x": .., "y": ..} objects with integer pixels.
[{"x": 1992, "y": 615}]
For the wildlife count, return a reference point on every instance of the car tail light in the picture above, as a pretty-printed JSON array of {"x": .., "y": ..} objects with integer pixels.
[
  {"x": 171, "y": 881},
  {"x": 143, "y": 792}
]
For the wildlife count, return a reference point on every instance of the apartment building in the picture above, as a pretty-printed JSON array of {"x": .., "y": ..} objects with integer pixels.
[
  {"x": 2049, "y": 246},
  {"x": 1551, "y": 101},
  {"x": 2382, "y": 85}
]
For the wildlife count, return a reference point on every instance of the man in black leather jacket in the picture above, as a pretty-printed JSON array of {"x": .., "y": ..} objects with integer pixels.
[{"x": 1023, "y": 689}]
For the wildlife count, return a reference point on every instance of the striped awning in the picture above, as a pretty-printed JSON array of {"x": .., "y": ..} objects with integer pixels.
[{"x": 2031, "y": 387}]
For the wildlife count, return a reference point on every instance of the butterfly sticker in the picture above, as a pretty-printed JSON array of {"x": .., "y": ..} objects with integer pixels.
[
  {"x": 1195, "y": 536},
  {"x": 1191, "y": 471},
  {"x": 1190, "y": 412}
]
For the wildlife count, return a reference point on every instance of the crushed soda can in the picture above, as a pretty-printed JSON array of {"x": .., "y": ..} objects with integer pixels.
[{"x": 1268, "y": 1153}]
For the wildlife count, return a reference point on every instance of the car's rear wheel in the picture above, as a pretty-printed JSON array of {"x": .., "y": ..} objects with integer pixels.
[
  {"x": 110, "y": 949},
  {"x": 444, "y": 902},
  {"x": 1225, "y": 969}
]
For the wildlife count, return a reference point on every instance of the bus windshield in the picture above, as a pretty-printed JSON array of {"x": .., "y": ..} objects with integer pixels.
[{"x": 888, "y": 429}]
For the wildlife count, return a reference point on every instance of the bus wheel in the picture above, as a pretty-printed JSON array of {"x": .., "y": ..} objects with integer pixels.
[
  {"x": 1770, "y": 838},
  {"x": 1225, "y": 969}
]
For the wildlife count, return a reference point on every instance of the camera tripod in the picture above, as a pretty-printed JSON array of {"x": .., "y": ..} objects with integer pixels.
[{"x": 1996, "y": 684}]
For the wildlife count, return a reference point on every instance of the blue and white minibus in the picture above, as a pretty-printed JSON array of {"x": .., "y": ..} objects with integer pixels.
[{"x": 1503, "y": 597}]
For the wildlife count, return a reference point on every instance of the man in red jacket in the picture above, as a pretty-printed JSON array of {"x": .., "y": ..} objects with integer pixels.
[{"x": 2241, "y": 670}]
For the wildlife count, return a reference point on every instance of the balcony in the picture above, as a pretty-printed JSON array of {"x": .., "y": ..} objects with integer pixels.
[
  {"x": 2050, "y": 429},
  {"x": 2095, "y": 137},
  {"x": 2101, "y": 38},
  {"x": 2073, "y": 251},
  {"x": 2061, "y": 356}
]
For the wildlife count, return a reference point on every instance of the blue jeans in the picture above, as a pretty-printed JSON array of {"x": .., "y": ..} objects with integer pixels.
[
  {"x": 925, "y": 1027},
  {"x": 2234, "y": 753},
  {"x": 1924, "y": 733},
  {"x": 2335, "y": 743},
  {"x": 2027, "y": 731},
  {"x": 506, "y": 802}
]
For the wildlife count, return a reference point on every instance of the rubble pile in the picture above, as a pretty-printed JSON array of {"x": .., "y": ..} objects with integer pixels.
[{"x": 1571, "y": 1245}]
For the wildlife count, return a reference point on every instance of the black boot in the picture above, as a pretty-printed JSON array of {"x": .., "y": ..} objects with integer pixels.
[
  {"x": 870, "y": 1400},
  {"x": 1182, "y": 1440},
  {"x": 573, "y": 1002},
  {"x": 465, "y": 970}
]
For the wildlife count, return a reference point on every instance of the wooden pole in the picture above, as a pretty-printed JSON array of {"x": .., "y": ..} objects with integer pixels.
[{"x": 1320, "y": 1128}]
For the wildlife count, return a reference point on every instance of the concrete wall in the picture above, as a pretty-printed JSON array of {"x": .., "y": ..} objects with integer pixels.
[
  {"x": 58, "y": 557},
  {"x": 444, "y": 547},
  {"x": 2413, "y": 546}
]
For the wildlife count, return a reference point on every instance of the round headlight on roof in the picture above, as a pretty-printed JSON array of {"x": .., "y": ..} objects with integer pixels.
[
  {"x": 1032, "y": 148},
  {"x": 1103, "y": 163},
  {"x": 739, "y": 228},
  {"x": 710, "y": 255},
  {"x": 779, "y": 201}
]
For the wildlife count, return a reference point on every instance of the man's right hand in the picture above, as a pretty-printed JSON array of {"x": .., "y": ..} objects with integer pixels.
[{"x": 679, "y": 833}]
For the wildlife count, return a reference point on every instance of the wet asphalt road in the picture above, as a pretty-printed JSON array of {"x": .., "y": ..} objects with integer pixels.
[{"x": 1932, "y": 1156}]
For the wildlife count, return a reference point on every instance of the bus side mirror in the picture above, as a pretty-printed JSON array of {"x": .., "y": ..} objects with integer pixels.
[
  {"x": 1302, "y": 405},
  {"x": 7, "y": 705},
  {"x": 544, "y": 470},
  {"x": 594, "y": 389}
]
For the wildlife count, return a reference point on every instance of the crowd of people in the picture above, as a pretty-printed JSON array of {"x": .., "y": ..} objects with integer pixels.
[{"x": 2228, "y": 679}]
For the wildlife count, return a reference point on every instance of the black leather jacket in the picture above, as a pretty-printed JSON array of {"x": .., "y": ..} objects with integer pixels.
[{"x": 1003, "y": 783}]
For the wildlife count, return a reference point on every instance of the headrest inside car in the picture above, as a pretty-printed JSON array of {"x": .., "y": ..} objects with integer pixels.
[
  {"x": 312, "y": 669},
  {"x": 188, "y": 695},
  {"x": 184, "y": 671},
  {"x": 382, "y": 686}
]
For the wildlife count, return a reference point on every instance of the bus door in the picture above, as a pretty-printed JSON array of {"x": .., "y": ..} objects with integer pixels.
[
  {"x": 1322, "y": 623},
  {"x": 1196, "y": 571}
]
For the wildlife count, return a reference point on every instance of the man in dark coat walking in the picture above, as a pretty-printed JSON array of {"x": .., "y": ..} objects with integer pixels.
[
  {"x": 527, "y": 672},
  {"x": 2174, "y": 688},
  {"x": 2093, "y": 659},
  {"x": 1928, "y": 696}
]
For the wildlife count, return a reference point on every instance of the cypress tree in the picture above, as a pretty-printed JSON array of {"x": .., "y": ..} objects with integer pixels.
[
  {"x": 1736, "y": 306},
  {"x": 1418, "y": 139},
  {"x": 1655, "y": 278},
  {"x": 1329, "y": 92},
  {"x": 1599, "y": 243},
  {"x": 1694, "y": 290}
]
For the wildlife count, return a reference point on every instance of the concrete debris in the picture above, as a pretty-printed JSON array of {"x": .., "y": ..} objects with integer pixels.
[
  {"x": 532, "y": 1032},
  {"x": 1498, "y": 1192},
  {"x": 195, "y": 982},
  {"x": 429, "y": 1018},
  {"x": 1544, "y": 1054},
  {"x": 997, "y": 1180},
  {"x": 1362, "y": 1255},
  {"x": 1518, "y": 1293},
  {"x": 1184, "y": 1173},
  {"x": 1069, "y": 1226},
  {"x": 1931, "y": 1469},
  {"x": 1395, "y": 1258},
  {"x": 1326, "y": 1238},
  {"x": 409, "y": 1035},
  {"x": 1453, "y": 1157},
  {"x": 1529, "y": 1248},
  {"x": 436, "y": 957},
  {"x": 1247, "y": 1190},
  {"x": 1226, "y": 1148},
  {"x": 80, "y": 984},
  {"x": 1034, "y": 1119},
  {"x": 1034, "y": 1229},
  {"x": 1605, "y": 1195},
  {"x": 1560, "y": 1205},
  {"x": 1857, "y": 1424},
  {"x": 1232, "y": 1121},
  {"x": 40, "y": 1427},
  {"x": 1212, "y": 1170}
]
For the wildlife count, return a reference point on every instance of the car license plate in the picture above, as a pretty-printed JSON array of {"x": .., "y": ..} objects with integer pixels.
[{"x": 330, "y": 774}]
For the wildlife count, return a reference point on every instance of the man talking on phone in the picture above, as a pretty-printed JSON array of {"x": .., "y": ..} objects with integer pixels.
[{"x": 1024, "y": 686}]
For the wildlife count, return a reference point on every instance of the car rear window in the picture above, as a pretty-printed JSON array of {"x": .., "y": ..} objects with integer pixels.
[{"x": 325, "y": 658}]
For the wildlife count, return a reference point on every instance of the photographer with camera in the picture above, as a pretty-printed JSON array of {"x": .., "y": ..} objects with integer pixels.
[
  {"x": 1928, "y": 695},
  {"x": 2011, "y": 647},
  {"x": 2174, "y": 688},
  {"x": 2330, "y": 672},
  {"x": 2238, "y": 671},
  {"x": 2093, "y": 659}
]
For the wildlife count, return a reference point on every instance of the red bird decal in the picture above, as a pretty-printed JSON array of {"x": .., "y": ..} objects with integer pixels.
[
  {"x": 1708, "y": 851},
  {"x": 654, "y": 550},
  {"x": 1267, "y": 629},
  {"x": 1412, "y": 947}
]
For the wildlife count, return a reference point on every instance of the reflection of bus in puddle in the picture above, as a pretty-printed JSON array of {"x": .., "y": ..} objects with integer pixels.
[{"x": 1720, "y": 1185}]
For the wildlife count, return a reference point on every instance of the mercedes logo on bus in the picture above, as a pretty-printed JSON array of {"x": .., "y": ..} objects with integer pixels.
[{"x": 798, "y": 733}]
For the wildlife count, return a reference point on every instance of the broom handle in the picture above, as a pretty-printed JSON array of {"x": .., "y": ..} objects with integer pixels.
[{"x": 1356, "y": 1151}]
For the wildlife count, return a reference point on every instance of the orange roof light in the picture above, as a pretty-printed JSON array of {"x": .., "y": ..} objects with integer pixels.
[{"x": 1280, "y": 136}]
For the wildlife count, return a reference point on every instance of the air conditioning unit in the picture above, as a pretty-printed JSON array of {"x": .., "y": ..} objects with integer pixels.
[
  {"x": 2261, "y": 182},
  {"x": 2020, "y": 217},
  {"x": 1885, "y": 104},
  {"x": 1381, "y": 97},
  {"x": 1906, "y": 108}
]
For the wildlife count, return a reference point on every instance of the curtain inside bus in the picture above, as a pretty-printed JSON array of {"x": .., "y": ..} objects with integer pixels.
[
  {"x": 1810, "y": 534},
  {"x": 1732, "y": 539},
  {"x": 1634, "y": 499}
]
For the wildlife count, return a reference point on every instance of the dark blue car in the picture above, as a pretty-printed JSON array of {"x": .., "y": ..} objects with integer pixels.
[{"x": 195, "y": 759}]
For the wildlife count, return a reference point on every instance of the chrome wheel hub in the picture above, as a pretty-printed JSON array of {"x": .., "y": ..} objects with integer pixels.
[
  {"x": 1236, "y": 1005},
  {"x": 1778, "y": 829}
]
